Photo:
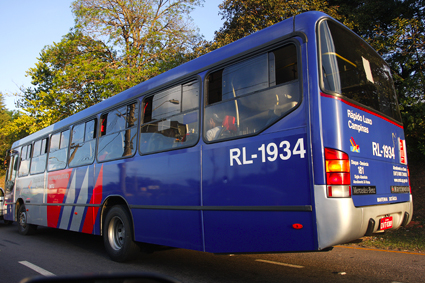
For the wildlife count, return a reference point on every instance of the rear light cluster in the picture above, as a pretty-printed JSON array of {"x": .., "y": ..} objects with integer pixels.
[{"x": 338, "y": 181}]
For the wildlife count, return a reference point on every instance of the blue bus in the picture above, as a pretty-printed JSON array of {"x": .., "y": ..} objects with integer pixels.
[{"x": 287, "y": 140}]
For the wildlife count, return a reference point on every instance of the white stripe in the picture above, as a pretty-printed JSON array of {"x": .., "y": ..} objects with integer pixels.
[
  {"x": 36, "y": 268},
  {"x": 280, "y": 263}
]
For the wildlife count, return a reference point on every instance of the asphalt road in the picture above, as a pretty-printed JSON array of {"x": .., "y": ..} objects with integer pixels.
[{"x": 56, "y": 252}]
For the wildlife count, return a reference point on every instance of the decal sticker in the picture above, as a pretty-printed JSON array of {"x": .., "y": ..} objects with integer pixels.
[{"x": 354, "y": 147}]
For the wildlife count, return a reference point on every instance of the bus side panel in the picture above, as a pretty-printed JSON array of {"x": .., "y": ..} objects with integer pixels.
[
  {"x": 159, "y": 188},
  {"x": 173, "y": 228},
  {"x": 253, "y": 175},
  {"x": 257, "y": 231},
  {"x": 31, "y": 190}
]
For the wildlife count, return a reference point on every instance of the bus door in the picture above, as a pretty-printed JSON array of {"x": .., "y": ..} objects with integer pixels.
[
  {"x": 13, "y": 162},
  {"x": 256, "y": 185}
]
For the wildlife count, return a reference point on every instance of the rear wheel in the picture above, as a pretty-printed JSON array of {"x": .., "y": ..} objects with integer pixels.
[
  {"x": 117, "y": 235},
  {"x": 24, "y": 228}
]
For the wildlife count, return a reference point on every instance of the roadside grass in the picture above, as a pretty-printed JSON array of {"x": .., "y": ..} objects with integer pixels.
[{"x": 409, "y": 238}]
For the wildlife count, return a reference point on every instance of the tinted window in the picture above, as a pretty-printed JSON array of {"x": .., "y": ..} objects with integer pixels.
[
  {"x": 25, "y": 160},
  {"x": 170, "y": 119},
  {"x": 83, "y": 144},
  {"x": 38, "y": 162},
  {"x": 352, "y": 68},
  {"x": 118, "y": 133},
  {"x": 247, "y": 97},
  {"x": 58, "y": 151}
]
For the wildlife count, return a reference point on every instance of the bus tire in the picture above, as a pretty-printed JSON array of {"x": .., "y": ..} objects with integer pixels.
[
  {"x": 23, "y": 227},
  {"x": 117, "y": 235}
]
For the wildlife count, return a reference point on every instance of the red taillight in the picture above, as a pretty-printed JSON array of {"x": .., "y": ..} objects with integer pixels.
[
  {"x": 338, "y": 178},
  {"x": 337, "y": 173}
]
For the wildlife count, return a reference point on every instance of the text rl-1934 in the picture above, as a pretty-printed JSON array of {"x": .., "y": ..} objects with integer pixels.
[{"x": 268, "y": 152}]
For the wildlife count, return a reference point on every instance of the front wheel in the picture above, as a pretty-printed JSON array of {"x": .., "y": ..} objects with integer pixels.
[
  {"x": 117, "y": 235},
  {"x": 24, "y": 228}
]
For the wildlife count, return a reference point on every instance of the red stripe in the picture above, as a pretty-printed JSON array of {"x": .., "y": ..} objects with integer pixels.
[
  {"x": 96, "y": 198},
  {"x": 57, "y": 185},
  {"x": 361, "y": 108}
]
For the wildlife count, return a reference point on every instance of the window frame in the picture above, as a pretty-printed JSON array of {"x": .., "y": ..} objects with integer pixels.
[
  {"x": 40, "y": 154},
  {"x": 321, "y": 83},
  {"x": 71, "y": 135},
  {"x": 193, "y": 79},
  {"x": 136, "y": 125},
  {"x": 67, "y": 147}
]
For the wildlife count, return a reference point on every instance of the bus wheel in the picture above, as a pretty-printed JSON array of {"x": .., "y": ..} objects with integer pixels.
[
  {"x": 24, "y": 228},
  {"x": 117, "y": 235}
]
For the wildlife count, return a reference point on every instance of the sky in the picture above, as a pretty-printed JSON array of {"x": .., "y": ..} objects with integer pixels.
[{"x": 29, "y": 25}]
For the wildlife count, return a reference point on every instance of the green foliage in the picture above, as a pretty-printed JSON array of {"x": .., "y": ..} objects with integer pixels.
[
  {"x": 69, "y": 76},
  {"x": 5, "y": 118},
  {"x": 115, "y": 45},
  {"x": 11, "y": 130}
]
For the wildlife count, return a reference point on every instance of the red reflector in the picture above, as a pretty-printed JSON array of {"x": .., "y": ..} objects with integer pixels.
[{"x": 297, "y": 226}]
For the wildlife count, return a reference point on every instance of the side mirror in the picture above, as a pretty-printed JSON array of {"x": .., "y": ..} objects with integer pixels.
[{"x": 8, "y": 186}]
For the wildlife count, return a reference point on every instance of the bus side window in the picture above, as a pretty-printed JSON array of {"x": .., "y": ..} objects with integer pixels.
[
  {"x": 247, "y": 97},
  {"x": 58, "y": 151},
  {"x": 83, "y": 144},
  {"x": 170, "y": 119},
  {"x": 38, "y": 162},
  {"x": 25, "y": 160},
  {"x": 118, "y": 131}
]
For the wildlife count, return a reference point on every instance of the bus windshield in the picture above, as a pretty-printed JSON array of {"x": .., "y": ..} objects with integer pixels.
[{"x": 350, "y": 67}]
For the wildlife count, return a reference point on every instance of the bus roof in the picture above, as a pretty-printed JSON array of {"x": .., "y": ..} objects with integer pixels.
[{"x": 286, "y": 28}]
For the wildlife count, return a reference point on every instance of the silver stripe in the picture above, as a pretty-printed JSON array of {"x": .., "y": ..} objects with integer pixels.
[
  {"x": 82, "y": 199},
  {"x": 66, "y": 212}
]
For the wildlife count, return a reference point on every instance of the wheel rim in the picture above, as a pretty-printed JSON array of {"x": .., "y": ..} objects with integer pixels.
[
  {"x": 116, "y": 233},
  {"x": 23, "y": 219}
]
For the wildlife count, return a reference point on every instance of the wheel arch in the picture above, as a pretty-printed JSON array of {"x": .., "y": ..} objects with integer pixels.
[
  {"x": 110, "y": 202},
  {"x": 19, "y": 203}
]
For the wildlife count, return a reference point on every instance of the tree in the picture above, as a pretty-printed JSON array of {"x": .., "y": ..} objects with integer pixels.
[
  {"x": 115, "y": 45},
  {"x": 148, "y": 37},
  {"x": 5, "y": 118},
  {"x": 69, "y": 76},
  {"x": 246, "y": 17},
  {"x": 10, "y": 130}
]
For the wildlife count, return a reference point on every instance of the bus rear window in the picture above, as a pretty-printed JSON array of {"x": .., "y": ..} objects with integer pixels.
[{"x": 350, "y": 67}]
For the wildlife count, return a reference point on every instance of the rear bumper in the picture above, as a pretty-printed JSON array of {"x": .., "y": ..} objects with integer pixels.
[{"x": 339, "y": 221}]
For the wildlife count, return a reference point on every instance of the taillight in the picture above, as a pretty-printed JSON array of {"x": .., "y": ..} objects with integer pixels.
[{"x": 338, "y": 179}]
